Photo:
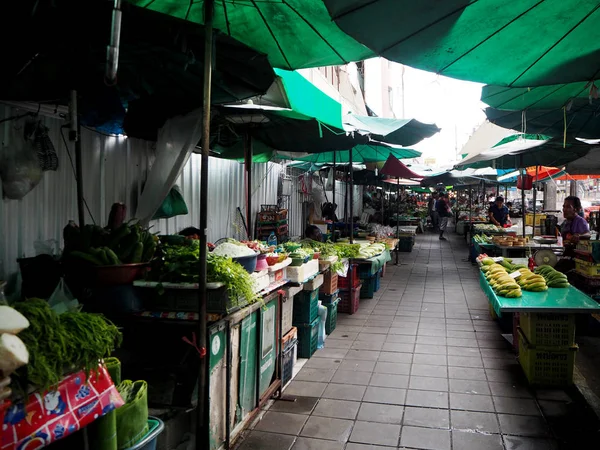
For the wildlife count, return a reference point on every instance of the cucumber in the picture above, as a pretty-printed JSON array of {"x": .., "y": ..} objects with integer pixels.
[
  {"x": 149, "y": 251},
  {"x": 113, "y": 259},
  {"x": 137, "y": 253},
  {"x": 95, "y": 260}
]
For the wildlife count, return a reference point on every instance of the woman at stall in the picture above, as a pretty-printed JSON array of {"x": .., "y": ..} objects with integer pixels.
[
  {"x": 572, "y": 230},
  {"x": 499, "y": 214}
]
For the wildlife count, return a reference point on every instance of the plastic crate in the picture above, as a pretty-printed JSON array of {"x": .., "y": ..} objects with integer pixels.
[
  {"x": 287, "y": 312},
  {"x": 306, "y": 307},
  {"x": 329, "y": 298},
  {"x": 364, "y": 271},
  {"x": 287, "y": 369},
  {"x": 331, "y": 321},
  {"x": 349, "y": 300},
  {"x": 550, "y": 330},
  {"x": 588, "y": 269},
  {"x": 344, "y": 282},
  {"x": 378, "y": 281},
  {"x": 330, "y": 282},
  {"x": 405, "y": 244},
  {"x": 307, "y": 338},
  {"x": 547, "y": 366},
  {"x": 539, "y": 218},
  {"x": 591, "y": 248},
  {"x": 369, "y": 286}
]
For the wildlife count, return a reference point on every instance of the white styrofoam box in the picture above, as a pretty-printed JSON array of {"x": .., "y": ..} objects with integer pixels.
[
  {"x": 261, "y": 280},
  {"x": 287, "y": 311},
  {"x": 315, "y": 283},
  {"x": 299, "y": 274}
]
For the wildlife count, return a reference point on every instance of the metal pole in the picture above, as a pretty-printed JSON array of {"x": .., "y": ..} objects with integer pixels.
[
  {"x": 398, "y": 221},
  {"x": 351, "y": 199},
  {"x": 523, "y": 172},
  {"x": 74, "y": 135},
  {"x": 334, "y": 203},
  {"x": 534, "y": 198},
  {"x": 248, "y": 168},
  {"x": 203, "y": 433}
]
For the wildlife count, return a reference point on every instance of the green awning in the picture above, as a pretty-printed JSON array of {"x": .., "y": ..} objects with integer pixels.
[
  {"x": 361, "y": 153},
  {"x": 391, "y": 131},
  {"x": 294, "y": 34},
  {"x": 519, "y": 43},
  {"x": 542, "y": 97}
]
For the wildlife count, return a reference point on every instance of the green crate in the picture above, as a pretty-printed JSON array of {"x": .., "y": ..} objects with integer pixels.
[
  {"x": 548, "y": 329},
  {"x": 331, "y": 321},
  {"x": 306, "y": 307},
  {"x": 547, "y": 366},
  {"x": 369, "y": 286},
  {"x": 308, "y": 336},
  {"x": 405, "y": 244}
]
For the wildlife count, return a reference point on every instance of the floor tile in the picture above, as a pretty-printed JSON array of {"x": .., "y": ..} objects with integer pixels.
[
  {"x": 353, "y": 446},
  {"x": 313, "y": 374},
  {"x": 430, "y": 349},
  {"x": 470, "y": 402},
  {"x": 305, "y": 388},
  {"x": 476, "y": 441},
  {"x": 431, "y": 340},
  {"x": 428, "y": 383},
  {"x": 523, "y": 425},
  {"x": 367, "y": 345},
  {"x": 364, "y": 355},
  {"x": 405, "y": 358},
  {"x": 435, "y": 360},
  {"x": 464, "y": 361},
  {"x": 392, "y": 368},
  {"x": 343, "y": 392},
  {"x": 474, "y": 421},
  {"x": 429, "y": 399},
  {"x": 323, "y": 363},
  {"x": 389, "y": 380},
  {"x": 397, "y": 347},
  {"x": 400, "y": 339},
  {"x": 303, "y": 443},
  {"x": 357, "y": 365},
  {"x": 377, "y": 412},
  {"x": 384, "y": 395},
  {"x": 424, "y": 370},
  {"x": 525, "y": 443},
  {"x": 327, "y": 428},
  {"x": 258, "y": 440},
  {"x": 371, "y": 337},
  {"x": 464, "y": 351},
  {"x": 375, "y": 433},
  {"x": 522, "y": 406},
  {"x": 426, "y": 417},
  {"x": 510, "y": 390},
  {"x": 280, "y": 422},
  {"x": 330, "y": 353},
  {"x": 339, "y": 409},
  {"x": 299, "y": 405},
  {"x": 338, "y": 343},
  {"x": 466, "y": 373},
  {"x": 469, "y": 387},
  {"x": 425, "y": 438},
  {"x": 351, "y": 377}
]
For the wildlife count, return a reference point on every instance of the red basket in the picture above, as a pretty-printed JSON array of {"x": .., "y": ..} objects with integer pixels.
[
  {"x": 330, "y": 283},
  {"x": 344, "y": 282},
  {"x": 349, "y": 301}
]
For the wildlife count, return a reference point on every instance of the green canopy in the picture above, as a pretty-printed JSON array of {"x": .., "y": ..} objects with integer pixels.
[
  {"x": 391, "y": 131},
  {"x": 293, "y": 33},
  {"x": 526, "y": 153},
  {"x": 542, "y": 97},
  {"x": 361, "y": 153},
  {"x": 519, "y": 43},
  {"x": 467, "y": 177}
]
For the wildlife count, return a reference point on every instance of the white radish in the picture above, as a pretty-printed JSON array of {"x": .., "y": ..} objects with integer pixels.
[
  {"x": 11, "y": 320},
  {"x": 13, "y": 353}
]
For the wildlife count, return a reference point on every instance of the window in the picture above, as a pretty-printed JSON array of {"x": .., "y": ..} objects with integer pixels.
[{"x": 391, "y": 97}]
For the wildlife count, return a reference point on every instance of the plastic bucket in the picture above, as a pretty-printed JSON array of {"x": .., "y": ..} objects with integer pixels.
[
  {"x": 247, "y": 262},
  {"x": 148, "y": 442}
]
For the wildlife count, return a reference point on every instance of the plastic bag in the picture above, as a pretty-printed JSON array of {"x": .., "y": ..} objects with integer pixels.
[
  {"x": 173, "y": 205},
  {"x": 62, "y": 300},
  {"x": 20, "y": 168}
]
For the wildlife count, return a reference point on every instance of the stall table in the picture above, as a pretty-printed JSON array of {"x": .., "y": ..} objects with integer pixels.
[{"x": 505, "y": 250}]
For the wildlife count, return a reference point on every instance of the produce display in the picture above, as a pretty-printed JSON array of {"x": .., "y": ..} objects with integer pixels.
[
  {"x": 482, "y": 239},
  {"x": 499, "y": 280},
  {"x": 553, "y": 277},
  {"x": 233, "y": 249},
  {"x": 60, "y": 344},
  {"x": 129, "y": 243},
  {"x": 530, "y": 281},
  {"x": 510, "y": 241},
  {"x": 488, "y": 228},
  {"x": 13, "y": 352}
]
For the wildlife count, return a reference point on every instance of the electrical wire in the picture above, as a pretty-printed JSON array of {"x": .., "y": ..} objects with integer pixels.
[{"x": 74, "y": 171}]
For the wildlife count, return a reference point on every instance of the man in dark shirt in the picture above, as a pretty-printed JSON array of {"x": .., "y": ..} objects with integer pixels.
[
  {"x": 499, "y": 213},
  {"x": 443, "y": 209}
]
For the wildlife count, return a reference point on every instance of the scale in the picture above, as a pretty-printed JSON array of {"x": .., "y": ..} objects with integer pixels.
[{"x": 545, "y": 257}]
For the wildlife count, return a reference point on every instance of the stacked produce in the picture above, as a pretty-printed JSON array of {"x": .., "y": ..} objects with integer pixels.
[
  {"x": 59, "y": 344},
  {"x": 499, "y": 280},
  {"x": 13, "y": 352},
  {"x": 530, "y": 281},
  {"x": 489, "y": 228},
  {"x": 553, "y": 277},
  {"x": 482, "y": 239}
]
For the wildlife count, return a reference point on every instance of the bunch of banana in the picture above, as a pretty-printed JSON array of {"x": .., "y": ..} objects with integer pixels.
[
  {"x": 501, "y": 282},
  {"x": 530, "y": 281},
  {"x": 554, "y": 278}
]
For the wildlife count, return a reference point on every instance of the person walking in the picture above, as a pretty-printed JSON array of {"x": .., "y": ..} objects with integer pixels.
[
  {"x": 433, "y": 214},
  {"x": 443, "y": 209}
]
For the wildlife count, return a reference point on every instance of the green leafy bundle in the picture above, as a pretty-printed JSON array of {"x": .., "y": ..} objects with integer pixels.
[{"x": 237, "y": 280}]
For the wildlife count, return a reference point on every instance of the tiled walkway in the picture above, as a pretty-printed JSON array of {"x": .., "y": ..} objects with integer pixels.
[{"x": 420, "y": 366}]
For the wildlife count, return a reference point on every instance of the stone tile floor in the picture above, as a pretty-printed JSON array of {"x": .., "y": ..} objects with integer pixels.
[{"x": 421, "y": 366}]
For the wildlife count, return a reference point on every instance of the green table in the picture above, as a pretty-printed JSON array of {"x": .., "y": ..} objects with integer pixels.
[
  {"x": 376, "y": 262},
  {"x": 555, "y": 300}
]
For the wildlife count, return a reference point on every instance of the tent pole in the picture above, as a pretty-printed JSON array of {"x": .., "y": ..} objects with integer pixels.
[
  {"x": 534, "y": 199},
  {"x": 351, "y": 199},
  {"x": 75, "y": 135},
  {"x": 202, "y": 431},
  {"x": 248, "y": 169},
  {"x": 334, "y": 204},
  {"x": 523, "y": 172},
  {"x": 398, "y": 221}
]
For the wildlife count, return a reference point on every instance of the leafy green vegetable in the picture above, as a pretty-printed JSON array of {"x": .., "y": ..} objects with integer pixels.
[{"x": 237, "y": 280}]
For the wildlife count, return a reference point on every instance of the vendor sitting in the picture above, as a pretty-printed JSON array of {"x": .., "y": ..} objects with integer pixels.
[
  {"x": 313, "y": 232},
  {"x": 574, "y": 226},
  {"x": 499, "y": 213}
]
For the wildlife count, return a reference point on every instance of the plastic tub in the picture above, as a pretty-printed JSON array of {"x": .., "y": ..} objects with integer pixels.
[
  {"x": 261, "y": 262},
  {"x": 247, "y": 262},
  {"x": 148, "y": 442}
]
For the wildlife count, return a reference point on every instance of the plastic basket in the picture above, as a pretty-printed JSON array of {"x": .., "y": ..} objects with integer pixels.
[
  {"x": 288, "y": 362},
  {"x": 329, "y": 298},
  {"x": 405, "y": 244},
  {"x": 550, "y": 330},
  {"x": 308, "y": 335},
  {"x": 349, "y": 300},
  {"x": 344, "y": 282},
  {"x": 306, "y": 307},
  {"x": 547, "y": 366},
  {"x": 369, "y": 286},
  {"x": 364, "y": 271},
  {"x": 331, "y": 321},
  {"x": 330, "y": 283}
]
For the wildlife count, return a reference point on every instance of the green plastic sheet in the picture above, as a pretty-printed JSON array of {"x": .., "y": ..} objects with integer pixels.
[
  {"x": 361, "y": 153},
  {"x": 392, "y": 131},
  {"x": 541, "y": 97},
  {"x": 376, "y": 262},
  {"x": 519, "y": 43},
  {"x": 132, "y": 417},
  {"x": 293, "y": 33}
]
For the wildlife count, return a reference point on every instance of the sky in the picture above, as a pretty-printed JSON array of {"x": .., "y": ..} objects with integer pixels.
[{"x": 454, "y": 105}]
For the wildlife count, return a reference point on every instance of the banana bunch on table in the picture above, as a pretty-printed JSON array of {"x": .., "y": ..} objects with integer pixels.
[
  {"x": 530, "y": 281},
  {"x": 553, "y": 277},
  {"x": 500, "y": 281}
]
